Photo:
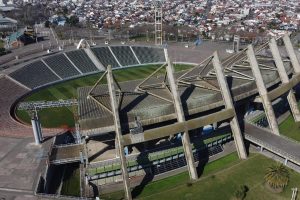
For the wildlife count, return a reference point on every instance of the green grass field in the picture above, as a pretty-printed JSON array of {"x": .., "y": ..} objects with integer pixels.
[
  {"x": 220, "y": 179},
  {"x": 62, "y": 117},
  {"x": 51, "y": 117},
  {"x": 290, "y": 129}
]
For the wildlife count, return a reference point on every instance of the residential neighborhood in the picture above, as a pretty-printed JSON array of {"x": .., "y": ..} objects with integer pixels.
[{"x": 213, "y": 19}]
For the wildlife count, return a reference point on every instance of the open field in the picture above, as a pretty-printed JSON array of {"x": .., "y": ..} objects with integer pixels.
[
  {"x": 63, "y": 117},
  {"x": 219, "y": 180}
]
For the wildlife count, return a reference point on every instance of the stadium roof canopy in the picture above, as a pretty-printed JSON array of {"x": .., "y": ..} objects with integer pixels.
[{"x": 198, "y": 88}]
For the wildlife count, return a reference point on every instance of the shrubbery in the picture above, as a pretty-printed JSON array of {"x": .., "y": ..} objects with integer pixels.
[{"x": 240, "y": 193}]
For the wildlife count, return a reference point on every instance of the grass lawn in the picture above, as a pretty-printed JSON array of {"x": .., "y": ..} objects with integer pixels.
[
  {"x": 219, "y": 181},
  {"x": 51, "y": 117},
  {"x": 71, "y": 182},
  {"x": 58, "y": 117},
  {"x": 290, "y": 129}
]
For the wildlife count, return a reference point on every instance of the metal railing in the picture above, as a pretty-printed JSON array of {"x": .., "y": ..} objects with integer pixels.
[
  {"x": 57, "y": 196},
  {"x": 289, "y": 139},
  {"x": 109, "y": 168},
  {"x": 65, "y": 160},
  {"x": 66, "y": 145},
  {"x": 31, "y": 105}
]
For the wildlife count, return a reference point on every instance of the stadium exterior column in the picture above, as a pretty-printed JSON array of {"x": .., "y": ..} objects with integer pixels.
[
  {"x": 215, "y": 125},
  {"x": 234, "y": 124},
  {"x": 35, "y": 130},
  {"x": 181, "y": 118},
  {"x": 267, "y": 104},
  {"x": 284, "y": 79},
  {"x": 119, "y": 139},
  {"x": 291, "y": 53},
  {"x": 117, "y": 148},
  {"x": 39, "y": 127}
]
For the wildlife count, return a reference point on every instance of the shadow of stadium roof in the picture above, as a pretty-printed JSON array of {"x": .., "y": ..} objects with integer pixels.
[{"x": 152, "y": 110}]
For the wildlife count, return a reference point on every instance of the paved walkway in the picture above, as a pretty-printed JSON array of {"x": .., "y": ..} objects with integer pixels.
[
  {"x": 279, "y": 145},
  {"x": 20, "y": 163},
  {"x": 66, "y": 154},
  {"x": 280, "y": 159}
]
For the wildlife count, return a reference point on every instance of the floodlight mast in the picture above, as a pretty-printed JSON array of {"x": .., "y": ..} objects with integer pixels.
[{"x": 158, "y": 22}]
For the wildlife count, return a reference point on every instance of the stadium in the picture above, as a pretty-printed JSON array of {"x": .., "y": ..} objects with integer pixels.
[{"x": 118, "y": 117}]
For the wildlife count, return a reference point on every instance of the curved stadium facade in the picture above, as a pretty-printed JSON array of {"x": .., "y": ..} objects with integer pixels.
[{"x": 200, "y": 99}]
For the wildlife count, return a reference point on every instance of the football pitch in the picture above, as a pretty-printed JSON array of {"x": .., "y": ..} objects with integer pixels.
[{"x": 63, "y": 117}]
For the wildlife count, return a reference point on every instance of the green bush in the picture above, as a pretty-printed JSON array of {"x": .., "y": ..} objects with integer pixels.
[{"x": 240, "y": 193}]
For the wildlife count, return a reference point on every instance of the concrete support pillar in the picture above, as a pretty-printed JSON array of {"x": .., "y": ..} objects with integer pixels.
[
  {"x": 294, "y": 105},
  {"x": 126, "y": 151},
  {"x": 39, "y": 126},
  {"x": 227, "y": 98},
  {"x": 262, "y": 90},
  {"x": 181, "y": 118},
  {"x": 119, "y": 138},
  {"x": 35, "y": 130},
  {"x": 284, "y": 79},
  {"x": 291, "y": 53},
  {"x": 81, "y": 157},
  {"x": 78, "y": 136},
  {"x": 117, "y": 148},
  {"x": 215, "y": 125},
  {"x": 285, "y": 161},
  {"x": 261, "y": 149}
]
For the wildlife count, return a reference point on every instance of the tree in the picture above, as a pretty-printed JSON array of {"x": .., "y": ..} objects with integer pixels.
[
  {"x": 47, "y": 24},
  {"x": 65, "y": 10},
  {"x": 277, "y": 177},
  {"x": 73, "y": 20}
]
